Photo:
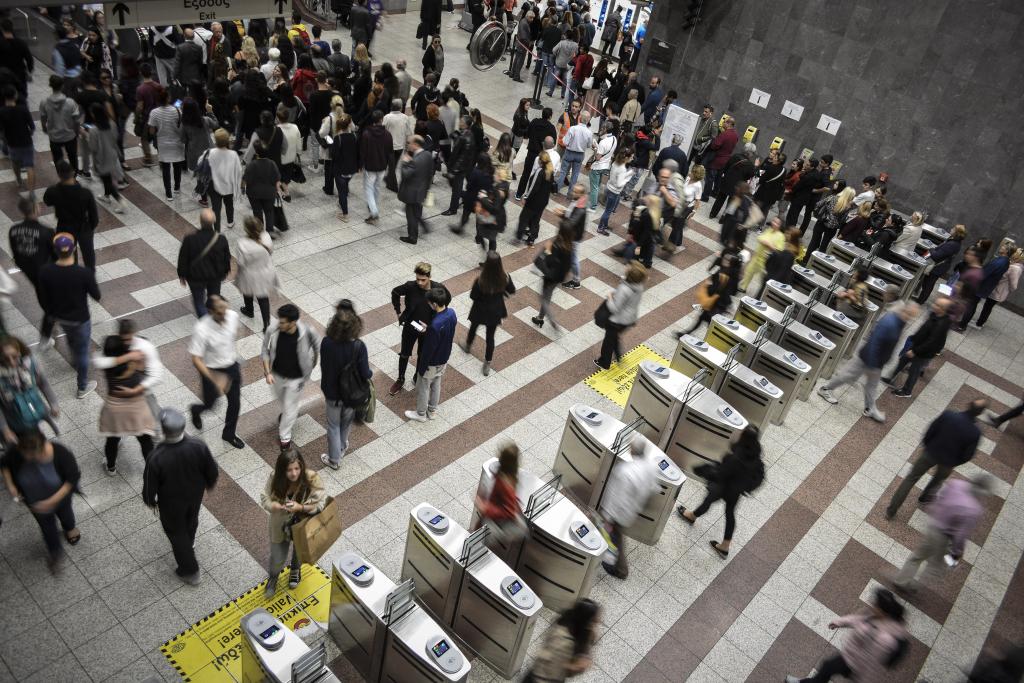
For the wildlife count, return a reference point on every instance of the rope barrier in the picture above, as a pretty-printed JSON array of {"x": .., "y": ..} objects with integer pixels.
[{"x": 568, "y": 85}]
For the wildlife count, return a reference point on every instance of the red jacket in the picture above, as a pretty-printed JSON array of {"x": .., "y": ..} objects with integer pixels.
[
  {"x": 303, "y": 84},
  {"x": 722, "y": 146},
  {"x": 502, "y": 503},
  {"x": 584, "y": 67}
]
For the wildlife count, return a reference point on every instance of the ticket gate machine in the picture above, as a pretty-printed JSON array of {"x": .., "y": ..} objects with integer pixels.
[
  {"x": 836, "y": 326},
  {"x": 416, "y": 648},
  {"x": 779, "y": 296},
  {"x": 844, "y": 251},
  {"x": 701, "y": 427},
  {"x": 560, "y": 555},
  {"x": 469, "y": 588},
  {"x": 911, "y": 262},
  {"x": 587, "y": 431},
  {"x": 786, "y": 330},
  {"x": 272, "y": 653},
  {"x": 764, "y": 356},
  {"x": 828, "y": 265},
  {"x": 893, "y": 274},
  {"x": 358, "y": 595},
  {"x": 806, "y": 279}
]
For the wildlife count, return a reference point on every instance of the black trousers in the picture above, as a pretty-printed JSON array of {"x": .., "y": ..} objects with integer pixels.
[
  {"x": 264, "y": 304},
  {"x": 264, "y": 210},
  {"x": 833, "y": 666},
  {"x": 228, "y": 201},
  {"x": 820, "y": 238},
  {"x": 46, "y": 326},
  {"x": 986, "y": 310},
  {"x": 180, "y": 522},
  {"x": 969, "y": 309},
  {"x": 390, "y": 180},
  {"x": 927, "y": 285},
  {"x": 730, "y": 510},
  {"x": 917, "y": 366},
  {"x": 794, "y": 213},
  {"x": 166, "y": 167},
  {"x": 611, "y": 345},
  {"x": 1011, "y": 413},
  {"x": 211, "y": 394},
  {"x": 85, "y": 245},
  {"x": 458, "y": 183},
  {"x": 524, "y": 177},
  {"x": 529, "y": 225},
  {"x": 112, "y": 442},
  {"x": 414, "y": 220},
  {"x": 410, "y": 339},
  {"x": 64, "y": 514},
  {"x": 488, "y": 339},
  {"x": 59, "y": 149}
]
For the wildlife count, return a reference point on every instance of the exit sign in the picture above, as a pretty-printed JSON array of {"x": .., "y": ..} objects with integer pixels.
[{"x": 165, "y": 12}]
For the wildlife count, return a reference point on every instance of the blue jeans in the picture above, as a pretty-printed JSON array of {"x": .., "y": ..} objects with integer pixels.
[
  {"x": 201, "y": 290},
  {"x": 339, "y": 423},
  {"x": 595, "y": 186},
  {"x": 546, "y": 60},
  {"x": 78, "y": 341},
  {"x": 575, "y": 267},
  {"x": 611, "y": 202},
  {"x": 574, "y": 91},
  {"x": 371, "y": 187},
  {"x": 711, "y": 186},
  {"x": 571, "y": 161},
  {"x": 556, "y": 72}
]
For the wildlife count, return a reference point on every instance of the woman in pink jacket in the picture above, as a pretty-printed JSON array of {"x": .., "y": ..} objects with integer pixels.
[{"x": 877, "y": 642}]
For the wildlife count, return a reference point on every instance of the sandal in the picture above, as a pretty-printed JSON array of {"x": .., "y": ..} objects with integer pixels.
[{"x": 73, "y": 540}]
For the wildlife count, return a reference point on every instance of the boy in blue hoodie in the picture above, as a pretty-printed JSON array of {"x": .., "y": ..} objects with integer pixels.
[{"x": 433, "y": 356}]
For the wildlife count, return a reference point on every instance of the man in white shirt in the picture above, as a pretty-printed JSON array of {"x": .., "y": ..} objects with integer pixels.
[
  {"x": 142, "y": 350},
  {"x": 273, "y": 59},
  {"x": 577, "y": 141},
  {"x": 400, "y": 126},
  {"x": 213, "y": 354},
  {"x": 630, "y": 484},
  {"x": 867, "y": 191},
  {"x": 556, "y": 158},
  {"x": 604, "y": 150}
]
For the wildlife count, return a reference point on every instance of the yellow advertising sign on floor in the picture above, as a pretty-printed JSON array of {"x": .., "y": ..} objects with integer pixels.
[
  {"x": 210, "y": 650},
  {"x": 616, "y": 382}
]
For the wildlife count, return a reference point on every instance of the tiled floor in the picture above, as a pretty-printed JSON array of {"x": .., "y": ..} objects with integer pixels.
[{"x": 811, "y": 543}]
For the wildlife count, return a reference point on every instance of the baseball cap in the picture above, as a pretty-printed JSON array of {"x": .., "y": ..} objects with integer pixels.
[{"x": 63, "y": 243}]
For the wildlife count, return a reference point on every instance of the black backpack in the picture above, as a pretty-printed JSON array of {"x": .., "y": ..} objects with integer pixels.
[
  {"x": 755, "y": 476},
  {"x": 353, "y": 390}
]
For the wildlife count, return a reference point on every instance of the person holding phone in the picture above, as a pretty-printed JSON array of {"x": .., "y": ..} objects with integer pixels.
[
  {"x": 414, "y": 319},
  {"x": 292, "y": 493}
]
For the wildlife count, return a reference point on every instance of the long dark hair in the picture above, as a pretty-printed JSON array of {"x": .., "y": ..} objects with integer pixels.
[
  {"x": 279, "y": 484},
  {"x": 99, "y": 116},
  {"x": 579, "y": 620},
  {"x": 492, "y": 276},
  {"x": 503, "y": 150},
  {"x": 521, "y": 109},
  {"x": 508, "y": 462},
  {"x": 190, "y": 114},
  {"x": 346, "y": 325}
]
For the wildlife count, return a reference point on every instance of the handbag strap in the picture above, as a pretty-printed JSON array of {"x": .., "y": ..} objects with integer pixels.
[{"x": 206, "y": 249}]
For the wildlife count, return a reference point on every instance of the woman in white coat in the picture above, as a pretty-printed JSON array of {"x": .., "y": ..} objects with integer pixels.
[
  {"x": 326, "y": 133},
  {"x": 256, "y": 275},
  {"x": 226, "y": 172}
]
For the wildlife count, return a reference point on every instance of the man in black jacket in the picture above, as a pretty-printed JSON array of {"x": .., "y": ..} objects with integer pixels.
[
  {"x": 374, "y": 154},
  {"x": 64, "y": 291},
  {"x": 178, "y": 472},
  {"x": 203, "y": 261},
  {"x": 540, "y": 128},
  {"x": 32, "y": 248},
  {"x": 188, "y": 60},
  {"x": 414, "y": 319},
  {"x": 460, "y": 161},
  {"x": 922, "y": 346},
  {"x": 75, "y": 209},
  {"x": 803, "y": 195},
  {"x": 950, "y": 440}
]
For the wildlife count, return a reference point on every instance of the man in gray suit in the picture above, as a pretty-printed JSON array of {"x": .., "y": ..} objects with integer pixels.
[
  {"x": 188, "y": 60},
  {"x": 417, "y": 172}
]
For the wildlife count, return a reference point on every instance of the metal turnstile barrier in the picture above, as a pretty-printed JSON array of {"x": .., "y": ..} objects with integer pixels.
[
  {"x": 432, "y": 544},
  {"x": 693, "y": 355},
  {"x": 586, "y": 452},
  {"x": 496, "y": 610},
  {"x": 724, "y": 333},
  {"x": 893, "y": 274},
  {"x": 651, "y": 520},
  {"x": 417, "y": 648},
  {"x": 787, "y": 331},
  {"x": 702, "y": 428},
  {"x": 911, "y": 262},
  {"x": 844, "y": 251},
  {"x": 834, "y": 325},
  {"x": 273, "y": 653},
  {"x": 806, "y": 279},
  {"x": 779, "y": 296},
  {"x": 828, "y": 265},
  {"x": 356, "y": 622}
]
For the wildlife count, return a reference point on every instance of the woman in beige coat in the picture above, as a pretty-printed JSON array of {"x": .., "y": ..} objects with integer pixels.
[
  {"x": 256, "y": 275},
  {"x": 292, "y": 493}
]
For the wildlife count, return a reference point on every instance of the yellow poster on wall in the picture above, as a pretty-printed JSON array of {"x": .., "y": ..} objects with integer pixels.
[{"x": 210, "y": 650}]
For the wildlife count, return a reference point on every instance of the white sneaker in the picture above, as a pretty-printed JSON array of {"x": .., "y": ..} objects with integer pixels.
[
  {"x": 327, "y": 461},
  {"x": 89, "y": 388},
  {"x": 827, "y": 395},
  {"x": 104, "y": 198},
  {"x": 231, "y": 226},
  {"x": 876, "y": 415},
  {"x": 47, "y": 343},
  {"x": 413, "y": 415},
  {"x": 118, "y": 206}
]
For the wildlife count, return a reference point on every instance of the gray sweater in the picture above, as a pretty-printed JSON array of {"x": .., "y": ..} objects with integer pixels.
[
  {"x": 624, "y": 305},
  {"x": 60, "y": 117}
]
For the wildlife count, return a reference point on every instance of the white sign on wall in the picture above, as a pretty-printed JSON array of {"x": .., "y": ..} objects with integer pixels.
[
  {"x": 759, "y": 98},
  {"x": 829, "y": 124},
  {"x": 681, "y": 122},
  {"x": 792, "y": 110},
  {"x": 165, "y": 12}
]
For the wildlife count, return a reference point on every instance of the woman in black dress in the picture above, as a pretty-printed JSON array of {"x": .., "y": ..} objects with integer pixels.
[{"x": 488, "y": 296}]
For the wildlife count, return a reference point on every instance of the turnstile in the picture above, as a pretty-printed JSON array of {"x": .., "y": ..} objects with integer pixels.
[
  {"x": 358, "y": 595},
  {"x": 432, "y": 544},
  {"x": 495, "y": 610},
  {"x": 936, "y": 235},
  {"x": 702, "y": 426},
  {"x": 272, "y": 653},
  {"x": 807, "y": 279},
  {"x": 893, "y": 274},
  {"x": 828, "y": 265},
  {"x": 417, "y": 648},
  {"x": 911, "y": 262},
  {"x": 779, "y": 295},
  {"x": 788, "y": 332},
  {"x": 588, "y": 431},
  {"x": 693, "y": 355},
  {"x": 776, "y": 360},
  {"x": 585, "y": 453},
  {"x": 559, "y": 556},
  {"x": 844, "y": 251},
  {"x": 834, "y": 325}
]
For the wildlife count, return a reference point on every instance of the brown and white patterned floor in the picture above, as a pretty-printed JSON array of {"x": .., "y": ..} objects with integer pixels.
[{"x": 810, "y": 544}]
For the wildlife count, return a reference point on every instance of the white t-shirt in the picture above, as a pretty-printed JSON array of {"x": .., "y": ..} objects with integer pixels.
[
  {"x": 692, "y": 191},
  {"x": 293, "y": 142},
  {"x": 604, "y": 153},
  {"x": 215, "y": 342}
]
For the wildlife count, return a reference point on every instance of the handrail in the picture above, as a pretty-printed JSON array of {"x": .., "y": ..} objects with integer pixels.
[{"x": 28, "y": 24}]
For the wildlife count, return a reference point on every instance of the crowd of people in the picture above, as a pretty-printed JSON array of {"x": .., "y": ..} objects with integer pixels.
[{"x": 247, "y": 108}]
